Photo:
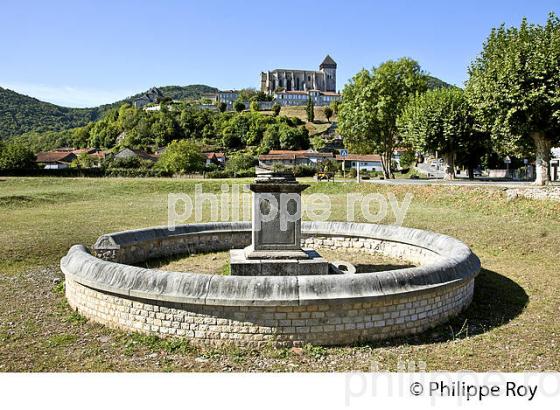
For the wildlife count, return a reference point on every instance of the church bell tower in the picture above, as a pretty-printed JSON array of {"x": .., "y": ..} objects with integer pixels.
[{"x": 328, "y": 66}]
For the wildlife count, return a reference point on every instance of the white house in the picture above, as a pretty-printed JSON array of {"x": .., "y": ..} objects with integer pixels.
[
  {"x": 55, "y": 159},
  {"x": 300, "y": 97},
  {"x": 217, "y": 158},
  {"x": 366, "y": 162}
]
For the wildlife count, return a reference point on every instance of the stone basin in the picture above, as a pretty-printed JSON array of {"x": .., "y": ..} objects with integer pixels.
[{"x": 278, "y": 310}]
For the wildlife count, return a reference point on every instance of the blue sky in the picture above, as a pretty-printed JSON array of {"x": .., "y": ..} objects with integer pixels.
[{"x": 84, "y": 53}]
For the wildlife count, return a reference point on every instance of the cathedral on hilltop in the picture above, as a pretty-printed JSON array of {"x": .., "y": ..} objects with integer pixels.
[{"x": 287, "y": 80}]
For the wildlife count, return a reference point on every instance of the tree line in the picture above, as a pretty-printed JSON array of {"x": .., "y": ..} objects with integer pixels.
[
  {"x": 129, "y": 127},
  {"x": 510, "y": 105},
  {"x": 171, "y": 127}
]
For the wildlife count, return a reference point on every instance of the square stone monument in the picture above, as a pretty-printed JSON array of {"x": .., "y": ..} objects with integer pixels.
[{"x": 276, "y": 232}]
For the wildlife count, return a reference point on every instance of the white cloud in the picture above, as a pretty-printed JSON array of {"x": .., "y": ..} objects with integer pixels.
[{"x": 69, "y": 96}]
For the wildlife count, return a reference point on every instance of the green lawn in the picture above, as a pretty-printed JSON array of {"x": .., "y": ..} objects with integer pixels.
[{"x": 512, "y": 324}]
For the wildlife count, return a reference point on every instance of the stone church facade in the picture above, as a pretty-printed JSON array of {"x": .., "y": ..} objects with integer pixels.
[{"x": 280, "y": 80}]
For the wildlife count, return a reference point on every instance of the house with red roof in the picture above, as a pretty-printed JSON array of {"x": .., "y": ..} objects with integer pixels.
[
  {"x": 55, "y": 159},
  {"x": 216, "y": 158}
]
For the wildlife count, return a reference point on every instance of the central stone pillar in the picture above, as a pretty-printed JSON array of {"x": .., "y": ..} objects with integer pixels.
[
  {"x": 276, "y": 232},
  {"x": 276, "y": 218}
]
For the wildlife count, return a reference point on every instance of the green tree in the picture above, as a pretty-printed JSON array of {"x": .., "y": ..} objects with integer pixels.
[
  {"x": 328, "y": 112},
  {"x": 236, "y": 130},
  {"x": 514, "y": 85},
  {"x": 80, "y": 136},
  {"x": 276, "y": 109},
  {"x": 181, "y": 157},
  {"x": 293, "y": 138},
  {"x": 238, "y": 105},
  {"x": 441, "y": 120},
  {"x": 318, "y": 142},
  {"x": 222, "y": 106},
  {"x": 163, "y": 129},
  {"x": 372, "y": 102},
  {"x": 408, "y": 159},
  {"x": 248, "y": 94},
  {"x": 128, "y": 117},
  {"x": 254, "y": 106},
  {"x": 82, "y": 161},
  {"x": 240, "y": 162},
  {"x": 310, "y": 109},
  {"x": 231, "y": 138},
  {"x": 329, "y": 165},
  {"x": 271, "y": 138},
  {"x": 334, "y": 106},
  {"x": 15, "y": 155},
  {"x": 103, "y": 133}
]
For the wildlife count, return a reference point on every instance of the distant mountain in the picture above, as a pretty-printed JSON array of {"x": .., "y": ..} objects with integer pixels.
[{"x": 20, "y": 113}]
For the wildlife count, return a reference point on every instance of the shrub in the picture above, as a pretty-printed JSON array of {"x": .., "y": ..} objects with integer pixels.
[
  {"x": 240, "y": 162},
  {"x": 128, "y": 162},
  {"x": 219, "y": 174},
  {"x": 304, "y": 171},
  {"x": 330, "y": 166},
  {"x": 328, "y": 111},
  {"x": 238, "y": 106},
  {"x": 408, "y": 159},
  {"x": 14, "y": 155},
  {"x": 227, "y": 173},
  {"x": 334, "y": 106},
  {"x": 137, "y": 172},
  {"x": 181, "y": 157}
]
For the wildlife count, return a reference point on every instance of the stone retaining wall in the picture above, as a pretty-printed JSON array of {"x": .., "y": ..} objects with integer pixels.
[
  {"x": 322, "y": 324},
  {"x": 321, "y": 309},
  {"x": 551, "y": 193}
]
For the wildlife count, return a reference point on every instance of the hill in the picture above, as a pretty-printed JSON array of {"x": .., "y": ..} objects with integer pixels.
[
  {"x": 20, "y": 113},
  {"x": 434, "y": 82},
  {"x": 175, "y": 92}
]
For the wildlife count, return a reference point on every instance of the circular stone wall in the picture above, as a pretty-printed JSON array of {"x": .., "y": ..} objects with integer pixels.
[{"x": 288, "y": 310}]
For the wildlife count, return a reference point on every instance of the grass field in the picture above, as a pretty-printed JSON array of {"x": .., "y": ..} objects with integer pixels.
[{"x": 512, "y": 324}]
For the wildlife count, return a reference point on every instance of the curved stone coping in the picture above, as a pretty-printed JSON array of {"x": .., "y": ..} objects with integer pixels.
[
  {"x": 458, "y": 263},
  {"x": 440, "y": 244},
  {"x": 135, "y": 236}
]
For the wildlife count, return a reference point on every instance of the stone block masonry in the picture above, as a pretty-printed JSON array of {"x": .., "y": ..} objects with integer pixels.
[{"x": 328, "y": 323}]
